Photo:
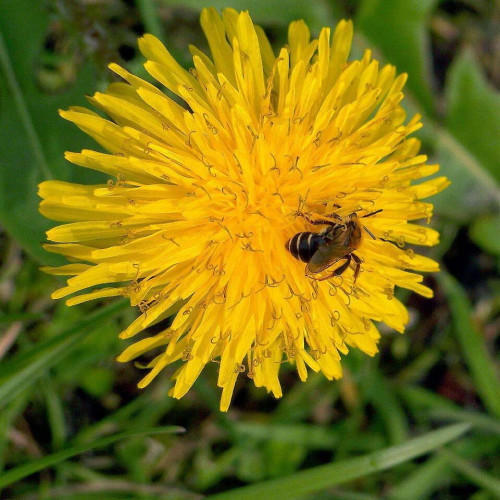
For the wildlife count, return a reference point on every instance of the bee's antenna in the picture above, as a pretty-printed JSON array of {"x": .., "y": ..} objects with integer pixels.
[
  {"x": 369, "y": 232},
  {"x": 370, "y": 215}
]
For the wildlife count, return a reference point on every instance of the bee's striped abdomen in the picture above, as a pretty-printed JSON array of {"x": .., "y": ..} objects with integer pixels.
[{"x": 303, "y": 245}]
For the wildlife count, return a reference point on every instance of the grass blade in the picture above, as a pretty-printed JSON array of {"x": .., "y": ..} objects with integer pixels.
[
  {"x": 478, "y": 420},
  {"x": 150, "y": 18},
  {"x": 13, "y": 475},
  {"x": 307, "y": 435},
  {"x": 422, "y": 482},
  {"x": 475, "y": 475},
  {"x": 34, "y": 142},
  {"x": 479, "y": 361},
  {"x": 326, "y": 476},
  {"x": 436, "y": 473},
  {"x": 23, "y": 370},
  {"x": 7, "y": 319},
  {"x": 381, "y": 395}
]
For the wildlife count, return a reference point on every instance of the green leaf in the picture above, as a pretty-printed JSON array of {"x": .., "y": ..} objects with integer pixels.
[
  {"x": 146, "y": 409},
  {"x": 480, "y": 363},
  {"x": 421, "y": 400},
  {"x": 476, "y": 419},
  {"x": 472, "y": 190},
  {"x": 436, "y": 473},
  {"x": 8, "y": 417},
  {"x": 422, "y": 481},
  {"x": 98, "y": 382},
  {"x": 475, "y": 475},
  {"x": 150, "y": 18},
  {"x": 24, "y": 369},
  {"x": 316, "y": 14},
  {"x": 33, "y": 136},
  {"x": 55, "y": 411},
  {"x": 7, "y": 319},
  {"x": 381, "y": 395},
  {"x": 484, "y": 232},
  {"x": 326, "y": 476},
  {"x": 13, "y": 475},
  {"x": 474, "y": 111},
  {"x": 399, "y": 29},
  {"x": 306, "y": 435},
  {"x": 465, "y": 150}
]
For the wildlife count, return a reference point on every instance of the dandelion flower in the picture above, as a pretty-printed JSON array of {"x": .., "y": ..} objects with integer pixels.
[{"x": 203, "y": 198}]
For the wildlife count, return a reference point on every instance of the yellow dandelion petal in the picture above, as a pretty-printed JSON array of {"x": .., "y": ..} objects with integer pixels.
[{"x": 269, "y": 218}]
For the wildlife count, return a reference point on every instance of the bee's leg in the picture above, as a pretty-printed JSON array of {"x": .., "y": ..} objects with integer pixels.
[
  {"x": 340, "y": 270},
  {"x": 334, "y": 215},
  {"x": 336, "y": 205},
  {"x": 320, "y": 222},
  {"x": 357, "y": 264}
]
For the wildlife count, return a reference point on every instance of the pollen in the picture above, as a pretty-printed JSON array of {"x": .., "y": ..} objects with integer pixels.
[{"x": 203, "y": 197}]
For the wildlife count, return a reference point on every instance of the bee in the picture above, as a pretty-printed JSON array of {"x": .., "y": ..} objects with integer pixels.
[{"x": 335, "y": 243}]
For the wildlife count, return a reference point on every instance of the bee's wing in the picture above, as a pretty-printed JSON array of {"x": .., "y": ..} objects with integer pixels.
[{"x": 322, "y": 259}]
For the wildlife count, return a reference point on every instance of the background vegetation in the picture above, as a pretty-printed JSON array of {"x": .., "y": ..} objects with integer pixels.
[{"x": 72, "y": 422}]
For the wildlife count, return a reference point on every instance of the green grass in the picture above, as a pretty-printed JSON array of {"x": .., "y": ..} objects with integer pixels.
[{"x": 421, "y": 420}]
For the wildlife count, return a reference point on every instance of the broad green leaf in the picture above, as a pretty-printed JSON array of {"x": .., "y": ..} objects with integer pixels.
[
  {"x": 465, "y": 149},
  {"x": 400, "y": 30},
  {"x": 23, "y": 370},
  {"x": 485, "y": 232},
  {"x": 472, "y": 190},
  {"x": 316, "y": 14},
  {"x": 474, "y": 112},
  {"x": 327, "y": 476},
  {"x": 472, "y": 343},
  {"x": 33, "y": 137},
  {"x": 13, "y": 475}
]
